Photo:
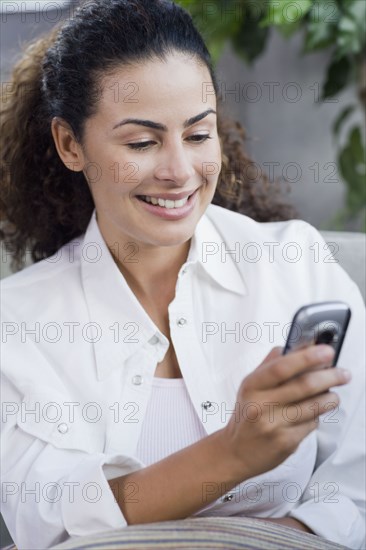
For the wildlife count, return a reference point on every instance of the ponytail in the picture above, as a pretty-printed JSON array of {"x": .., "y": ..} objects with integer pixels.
[{"x": 32, "y": 176}]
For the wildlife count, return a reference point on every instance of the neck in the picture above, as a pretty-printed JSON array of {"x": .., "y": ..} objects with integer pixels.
[{"x": 157, "y": 267}]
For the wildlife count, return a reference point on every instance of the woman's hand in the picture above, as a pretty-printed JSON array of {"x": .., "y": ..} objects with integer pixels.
[{"x": 280, "y": 403}]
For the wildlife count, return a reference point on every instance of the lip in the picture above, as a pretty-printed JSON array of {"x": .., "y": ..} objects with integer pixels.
[
  {"x": 170, "y": 213},
  {"x": 169, "y": 196}
]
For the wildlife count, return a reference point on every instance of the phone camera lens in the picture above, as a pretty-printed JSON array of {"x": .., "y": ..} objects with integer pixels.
[{"x": 326, "y": 337}]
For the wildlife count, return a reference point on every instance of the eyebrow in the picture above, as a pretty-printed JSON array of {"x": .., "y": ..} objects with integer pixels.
[{"x": 158, "y": 126}]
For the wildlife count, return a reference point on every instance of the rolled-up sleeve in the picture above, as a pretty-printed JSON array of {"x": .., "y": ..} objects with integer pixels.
[{"x": 53, "y": 485}]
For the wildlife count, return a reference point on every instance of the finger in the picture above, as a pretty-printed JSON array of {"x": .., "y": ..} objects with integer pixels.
[
  {"x": 279, "y": 370},
  {"x": 293, "y": 435},
  {"x": 310, "y": 384},
  {"x": 310, "y": 409},
  {"x": 273, "y": 354}
]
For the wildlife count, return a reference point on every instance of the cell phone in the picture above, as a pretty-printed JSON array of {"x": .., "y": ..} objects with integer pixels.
[{"x": 319, "y": 323}]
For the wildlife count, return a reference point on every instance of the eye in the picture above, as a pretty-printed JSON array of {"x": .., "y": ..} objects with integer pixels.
[
  {"x": 140, "y": 145},
  {"x": 201, "y": 138}
]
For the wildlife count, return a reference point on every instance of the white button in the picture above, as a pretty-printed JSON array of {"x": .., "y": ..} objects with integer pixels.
[
  {"x": 184, "y": 270},
  {"x": 182, "y": 321},
  {"x": 63, "y": 428},
  {"x": 227, "y": 498},
  {"x": 137, "y": 379},
  {"x": 206, "y": 405},
  {"x": 154, "y": 340}
]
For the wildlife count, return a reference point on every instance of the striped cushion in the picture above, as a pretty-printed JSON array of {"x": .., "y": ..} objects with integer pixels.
[{"x": 197, "y": 533}]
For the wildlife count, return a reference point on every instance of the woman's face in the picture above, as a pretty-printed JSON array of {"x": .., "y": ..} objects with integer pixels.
[{"x": 172, "y": 153}]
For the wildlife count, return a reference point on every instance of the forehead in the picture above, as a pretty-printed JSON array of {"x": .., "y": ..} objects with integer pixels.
[{"x": 178, "y": 84}]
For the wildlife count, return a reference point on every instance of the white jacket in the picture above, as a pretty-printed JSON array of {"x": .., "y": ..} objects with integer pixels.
[{"x": 79, "y": 354}]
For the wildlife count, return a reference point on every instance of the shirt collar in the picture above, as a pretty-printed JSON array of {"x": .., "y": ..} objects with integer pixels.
[
  {"x": 215, "y": 255},
  {"x": 122, "y": 326}
]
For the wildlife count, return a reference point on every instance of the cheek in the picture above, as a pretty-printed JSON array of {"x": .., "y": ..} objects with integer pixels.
[
  {"x": 210, "y": 167},
  {"x": 133, "y": 168},
  {"x": 121, "y": 174},
  {"x": 130, "y": 174}
]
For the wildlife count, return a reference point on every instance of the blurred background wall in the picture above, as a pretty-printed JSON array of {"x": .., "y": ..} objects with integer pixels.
[{"x": 288, "y": 128}]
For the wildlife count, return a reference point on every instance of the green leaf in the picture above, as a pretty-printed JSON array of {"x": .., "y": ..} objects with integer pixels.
[
  {"x": 216, "y": 24},
  {"x": 250, "y": 40},
  {"x": 285, "y": 12},
  {"x": 216, "y": 47},
  {"x": 341, "y": 118},
  {"x": 352, "y": 165},
  {"x": 351, "y": 37},
  {"x": 321, "y": 27},
  {"x": 347, "y": 39},
  {"x": 187, "y": 4},
  {"x": 337, "y": 77},
  {"x": 318, "y": 37},
  {"x": 357, "y": 10},
  {"x": 357, "y": 146}
]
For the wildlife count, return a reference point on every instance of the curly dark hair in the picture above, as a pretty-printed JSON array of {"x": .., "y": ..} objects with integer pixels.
[{"x": 43, "y": 203}]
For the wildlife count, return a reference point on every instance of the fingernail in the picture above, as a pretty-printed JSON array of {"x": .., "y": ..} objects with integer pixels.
[
  {"x": 346, "y": 375},
  {"x": 324, "y": 352}
]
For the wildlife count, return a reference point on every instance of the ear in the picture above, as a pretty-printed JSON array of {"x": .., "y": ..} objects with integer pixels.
[{"x": 68, "y": 148}]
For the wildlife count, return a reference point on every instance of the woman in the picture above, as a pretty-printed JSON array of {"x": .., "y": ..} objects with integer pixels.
[{"x": 134, "y": 388}]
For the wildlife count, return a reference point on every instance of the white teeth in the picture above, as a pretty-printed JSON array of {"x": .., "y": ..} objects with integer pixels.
[
  {"x": 166, "y": 203},
  {"x": 180, "y": 203}
]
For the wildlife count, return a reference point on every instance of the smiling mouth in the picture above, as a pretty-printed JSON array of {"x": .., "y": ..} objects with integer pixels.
[{"x": 165, "y": 203}]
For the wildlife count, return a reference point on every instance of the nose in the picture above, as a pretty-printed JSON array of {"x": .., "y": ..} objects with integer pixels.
[{"x": 175, "y": 164}]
